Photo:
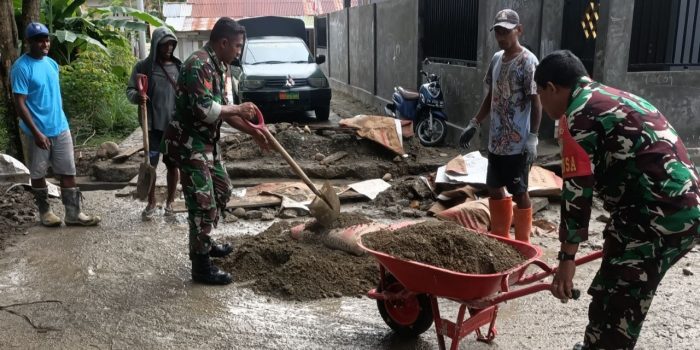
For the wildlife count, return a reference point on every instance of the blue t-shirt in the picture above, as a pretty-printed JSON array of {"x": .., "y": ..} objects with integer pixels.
[{"x": 38, "y": 80}]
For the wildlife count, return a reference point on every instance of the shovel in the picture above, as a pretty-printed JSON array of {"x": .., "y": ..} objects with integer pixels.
[
  {"x": 147, "y": 173},
  {"x": 325, "y": 207}
]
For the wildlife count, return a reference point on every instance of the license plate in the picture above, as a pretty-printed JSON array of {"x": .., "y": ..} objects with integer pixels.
[{"x": 289, "y": 95}]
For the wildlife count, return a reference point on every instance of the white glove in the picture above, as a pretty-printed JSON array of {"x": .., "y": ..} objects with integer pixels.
[{"x": 531, "y": 148}]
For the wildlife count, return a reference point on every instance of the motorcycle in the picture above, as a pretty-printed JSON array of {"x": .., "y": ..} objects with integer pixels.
[{"x": 424, "y": 108}]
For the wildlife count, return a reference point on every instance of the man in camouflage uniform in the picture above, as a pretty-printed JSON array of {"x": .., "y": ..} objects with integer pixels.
[
  {"x": 190, "y": 141},
  {"x": 622, "y": 147}
]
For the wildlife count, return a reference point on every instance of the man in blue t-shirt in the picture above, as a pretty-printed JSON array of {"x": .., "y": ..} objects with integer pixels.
[{"x": 37, "y": 95}]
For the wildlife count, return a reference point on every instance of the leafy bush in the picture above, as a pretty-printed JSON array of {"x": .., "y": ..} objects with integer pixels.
[{"x": 93, "y": 88}]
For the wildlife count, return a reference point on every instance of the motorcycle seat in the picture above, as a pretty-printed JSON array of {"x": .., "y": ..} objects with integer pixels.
[{"x": 408, "y": 94}]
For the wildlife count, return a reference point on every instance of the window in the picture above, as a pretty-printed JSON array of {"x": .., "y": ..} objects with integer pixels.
[
  {"x": 450, "y": 30},
  {"x": 665, "y": 35},
  {"x": 320, "y": 24}
]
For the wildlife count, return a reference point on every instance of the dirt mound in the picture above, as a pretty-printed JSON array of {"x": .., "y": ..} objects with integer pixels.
[
  {"x": 303, "y": 145},
  {"x": 344, "y": 220},
  {"x": 17, "y": 213},
  {"x": 446, "y": 245},
  {"x": 285, "y": 268},
  {"x": 405, "y": 192}
]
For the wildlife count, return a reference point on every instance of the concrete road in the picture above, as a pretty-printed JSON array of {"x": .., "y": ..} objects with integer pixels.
[{"x": 126, "y": 285}]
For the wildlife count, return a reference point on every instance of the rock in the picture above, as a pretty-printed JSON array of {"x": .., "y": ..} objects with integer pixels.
[
  {"x": 398, "y": 159},
  {"x": 596, "y": 245},
  {"x": 283, "y": 126},
  {"x": 108, "y": 171},
  {"x": 239, "y": 212},
  {"x": 334, "y": 158},
  {"x": 687, "y": 272},
  {"x": 341, "y": 137},
  {"x": 387, "y": 177},
  {"x": 307, "y": 129},
  {"x": 443, "y": 154},
  {"x": 327, "y": 133},
  {"x": 272, "y": 128},
  {"x": 319, "y": 157},
  {"x": 267, "y": 216},
  {"x": 393, "y": 210},
  {"x": 253, "y": 214},
  {"x": 229, "y": 219},
  {"x": 403, "y": 202},
  {"x": 109, "y": 149},
  {"x": 288, "y": 214},
  {"x": 337, "y": 294},
  {"x": 101, "y": 153}
]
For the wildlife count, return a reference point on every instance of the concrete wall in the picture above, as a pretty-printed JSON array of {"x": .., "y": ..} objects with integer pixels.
[
  {"x": 397, "y": 46},
  {"x": 676, "y": 94},
  {"x": 361, "y": 48},
  {"x": 338, "y": 45}
]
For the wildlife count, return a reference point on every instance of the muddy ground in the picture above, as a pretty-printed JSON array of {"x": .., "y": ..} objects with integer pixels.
[{"x": 17, "y": 214}]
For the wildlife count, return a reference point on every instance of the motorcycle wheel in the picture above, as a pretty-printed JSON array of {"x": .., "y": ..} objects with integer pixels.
[{"x": 431, "y": 136}]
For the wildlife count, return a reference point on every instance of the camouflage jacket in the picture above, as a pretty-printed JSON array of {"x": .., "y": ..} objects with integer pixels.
[
  {"x": 624, "y": 148},
  {"x": 194, "y": 131}
]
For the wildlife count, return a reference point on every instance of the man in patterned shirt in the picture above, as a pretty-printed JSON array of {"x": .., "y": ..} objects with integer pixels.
[
  {"x": 514, "y": 112},
  {"x": 622, "y": 147},
  {"x": 190, "y": 142}
]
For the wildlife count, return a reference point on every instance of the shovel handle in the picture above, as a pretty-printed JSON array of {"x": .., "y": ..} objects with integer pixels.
[
  {"x": 260, "y": 125},
  {"x": 142, "y": 86}
]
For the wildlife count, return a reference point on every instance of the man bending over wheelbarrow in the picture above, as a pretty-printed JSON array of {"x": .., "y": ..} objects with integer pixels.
[{"x": 621, "y": 146}]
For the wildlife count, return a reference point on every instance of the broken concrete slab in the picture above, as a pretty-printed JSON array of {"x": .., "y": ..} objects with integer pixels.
[
  {"x": 334, "y": 158},
  {"x": 107, "y": 171}
]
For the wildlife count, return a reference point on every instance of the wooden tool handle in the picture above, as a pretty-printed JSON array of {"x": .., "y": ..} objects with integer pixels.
[
  {"x": 144, "y": 127},
  {"x": 295, "y": 167}
]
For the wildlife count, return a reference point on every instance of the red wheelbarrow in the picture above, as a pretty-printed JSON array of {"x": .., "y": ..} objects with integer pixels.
[{"x": 408, "y": 291}]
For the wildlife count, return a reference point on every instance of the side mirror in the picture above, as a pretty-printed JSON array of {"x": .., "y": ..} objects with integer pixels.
[{"x": 320, "y": 59}]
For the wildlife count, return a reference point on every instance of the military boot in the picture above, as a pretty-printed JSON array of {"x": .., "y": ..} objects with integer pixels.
[
  {"x": 203, "y": 271},
  {"x": 220, "y": 250},
  {"x": 74, "y": 216},
  {"x": 47, "y": 217}
]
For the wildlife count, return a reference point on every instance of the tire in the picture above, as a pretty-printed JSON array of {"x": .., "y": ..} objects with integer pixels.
[
  {"x": 322, "y": 113},
  {"x": 410, "y": 317},
  {"x": 428, "y": 137}
]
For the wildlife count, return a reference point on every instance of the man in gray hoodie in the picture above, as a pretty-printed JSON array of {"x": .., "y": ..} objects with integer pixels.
[{"x": 162, "y": 69}]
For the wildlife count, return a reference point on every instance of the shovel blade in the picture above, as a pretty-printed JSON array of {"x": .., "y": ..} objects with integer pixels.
[
  {"x": 325, "y": 208},
  {"x": 143, "y": 185}
]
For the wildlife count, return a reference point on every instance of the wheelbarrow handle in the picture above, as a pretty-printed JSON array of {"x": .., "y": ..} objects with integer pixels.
[{"x": 521, "y": 292}]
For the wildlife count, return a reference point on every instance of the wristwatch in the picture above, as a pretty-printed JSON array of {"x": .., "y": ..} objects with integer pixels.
[{"x": 563, "y": 256}]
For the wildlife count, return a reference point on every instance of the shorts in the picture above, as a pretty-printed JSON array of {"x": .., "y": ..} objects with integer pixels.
[
  {"x": 154, "y": 139},
  {"x": 59, "y": 156},
  {"x": 511, "y": 171}
]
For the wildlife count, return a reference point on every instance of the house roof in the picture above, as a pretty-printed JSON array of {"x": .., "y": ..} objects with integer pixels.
[{"x": 200, "y": 15}]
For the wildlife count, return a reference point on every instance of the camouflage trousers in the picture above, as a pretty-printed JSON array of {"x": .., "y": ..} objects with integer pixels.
[
  {"x": 207, "y": 189},
  {"x": 625, "y": 285}
]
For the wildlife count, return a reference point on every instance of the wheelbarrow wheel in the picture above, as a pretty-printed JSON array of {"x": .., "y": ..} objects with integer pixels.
[{"x": 409, "y": 317}]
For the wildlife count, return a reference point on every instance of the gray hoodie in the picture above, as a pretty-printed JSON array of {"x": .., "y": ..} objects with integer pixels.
[{"x": 161, "y": 92}]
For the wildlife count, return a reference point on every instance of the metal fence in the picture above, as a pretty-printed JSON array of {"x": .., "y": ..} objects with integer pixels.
[
  {"x": 320, "y": 26},
  {"x": 580, "y": 29},
  {"x": 665, "y": 35},
  {"x": 450, "y": 30}
]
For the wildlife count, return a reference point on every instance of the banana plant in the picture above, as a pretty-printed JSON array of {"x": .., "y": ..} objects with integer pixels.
[{"x": 75, "y": 30}]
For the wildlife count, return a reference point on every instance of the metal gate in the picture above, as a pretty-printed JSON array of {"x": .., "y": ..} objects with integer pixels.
[{"x": 580, "y": 29}]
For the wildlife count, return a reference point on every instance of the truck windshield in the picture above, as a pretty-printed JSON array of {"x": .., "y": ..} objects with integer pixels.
[{"x": 276, "y": 52}]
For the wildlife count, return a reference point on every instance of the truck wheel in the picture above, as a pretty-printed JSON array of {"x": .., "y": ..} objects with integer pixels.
[
  {"x": 409, "y": 317},
  {"x": 322, "y": 113}
]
